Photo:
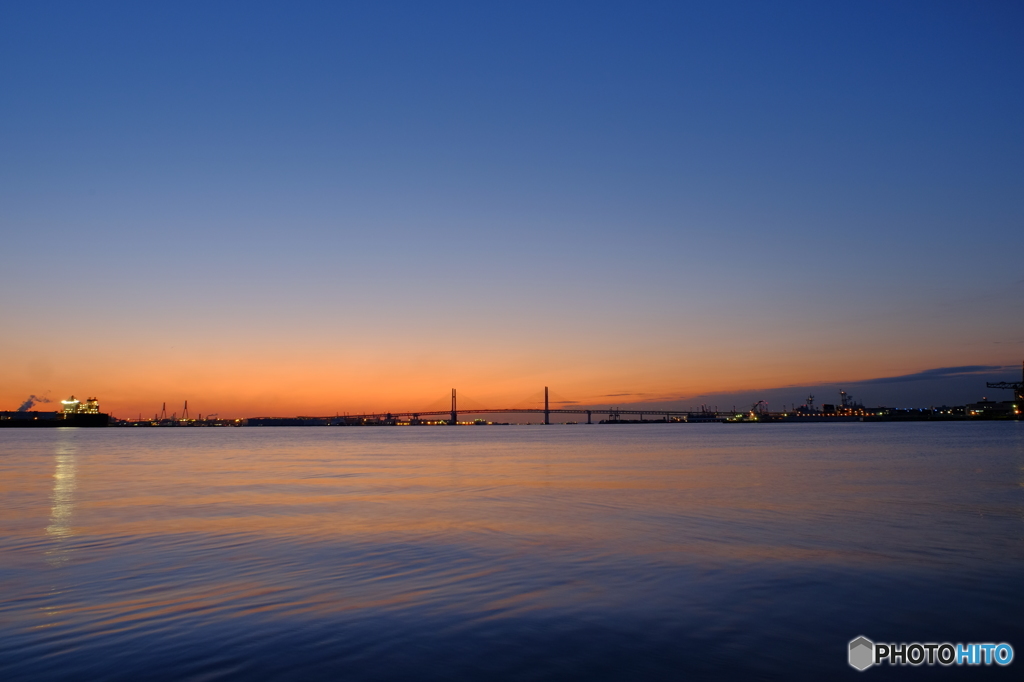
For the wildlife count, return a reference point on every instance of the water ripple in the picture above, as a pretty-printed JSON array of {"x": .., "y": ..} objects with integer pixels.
[{"x": 501, "y": 553}]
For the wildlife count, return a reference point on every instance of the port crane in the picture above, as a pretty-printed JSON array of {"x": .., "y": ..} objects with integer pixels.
[{"x": 1016, "y": 386}]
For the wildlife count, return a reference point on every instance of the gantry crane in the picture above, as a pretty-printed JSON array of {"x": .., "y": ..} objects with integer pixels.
[{"x": 1016, "y": 386}]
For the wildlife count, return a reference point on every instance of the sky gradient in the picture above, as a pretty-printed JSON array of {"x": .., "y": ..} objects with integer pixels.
[{"x": 310, "y": 208}]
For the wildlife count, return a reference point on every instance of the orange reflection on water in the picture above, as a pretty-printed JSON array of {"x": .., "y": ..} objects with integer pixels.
[{"x": 720, "y": 496}]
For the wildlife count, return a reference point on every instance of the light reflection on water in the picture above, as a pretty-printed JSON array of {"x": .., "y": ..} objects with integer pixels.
[
  {"x": 63, "y": 497},
  {"x": 600, "y": 552}
]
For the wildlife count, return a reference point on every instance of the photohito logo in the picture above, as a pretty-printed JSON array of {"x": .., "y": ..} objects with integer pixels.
[{"x": 864, "y": 653}]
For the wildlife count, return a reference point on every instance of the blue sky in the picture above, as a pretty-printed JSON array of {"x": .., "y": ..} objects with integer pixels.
[{"x": 666, "y": 198}]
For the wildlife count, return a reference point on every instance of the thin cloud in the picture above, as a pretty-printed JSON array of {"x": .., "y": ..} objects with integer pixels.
[
  {"x": 932, "y": 374},
  {"x": 739, "y": 396}
]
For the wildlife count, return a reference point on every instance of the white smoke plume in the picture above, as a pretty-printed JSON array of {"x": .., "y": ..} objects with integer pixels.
[{"x": 32, "y": 400}]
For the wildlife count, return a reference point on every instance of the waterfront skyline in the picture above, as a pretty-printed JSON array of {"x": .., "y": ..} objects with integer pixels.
[{"x": 304, "y": 210}]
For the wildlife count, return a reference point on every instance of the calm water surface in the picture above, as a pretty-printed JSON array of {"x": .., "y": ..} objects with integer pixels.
[{"x": 504, "y": 553}]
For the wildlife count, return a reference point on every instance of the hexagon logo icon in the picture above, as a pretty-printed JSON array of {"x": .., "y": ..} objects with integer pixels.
[{"x": 862, "y": 653}]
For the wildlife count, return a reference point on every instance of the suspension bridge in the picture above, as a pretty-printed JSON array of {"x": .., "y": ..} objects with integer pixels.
[{"x": 450, "y": 415}]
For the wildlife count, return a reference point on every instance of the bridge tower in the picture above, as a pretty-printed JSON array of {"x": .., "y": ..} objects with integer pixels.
[
  {"x": 547, "y": 410},
  {"x": 455, "y": 412}
]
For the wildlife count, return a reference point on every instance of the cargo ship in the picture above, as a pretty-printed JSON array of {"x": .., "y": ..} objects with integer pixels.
[{"x": 73, "y": 413}]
